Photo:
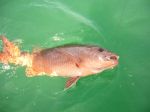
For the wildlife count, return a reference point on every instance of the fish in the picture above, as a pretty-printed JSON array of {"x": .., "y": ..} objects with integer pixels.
[{"x": 72, "y": 61}]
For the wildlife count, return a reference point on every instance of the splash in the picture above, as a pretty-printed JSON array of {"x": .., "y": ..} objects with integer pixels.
[{"x": 8, "y": 70}]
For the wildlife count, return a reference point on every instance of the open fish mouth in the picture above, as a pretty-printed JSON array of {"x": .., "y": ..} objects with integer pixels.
[{"x": 111, "y": 63}]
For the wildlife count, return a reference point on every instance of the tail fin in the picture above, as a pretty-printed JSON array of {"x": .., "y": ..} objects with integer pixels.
[{"x": 9, "y": 52}]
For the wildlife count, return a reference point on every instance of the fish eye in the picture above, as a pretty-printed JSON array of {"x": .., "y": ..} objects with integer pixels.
[{"x": 100, "y": 49}]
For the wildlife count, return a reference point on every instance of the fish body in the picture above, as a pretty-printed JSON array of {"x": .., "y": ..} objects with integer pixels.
[{"x": 73, "y": 61}]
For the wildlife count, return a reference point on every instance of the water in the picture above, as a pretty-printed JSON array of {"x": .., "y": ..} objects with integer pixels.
[{"x": 120, "y": 26}]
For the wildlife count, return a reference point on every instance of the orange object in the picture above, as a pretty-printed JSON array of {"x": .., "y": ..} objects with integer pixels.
[{"x": 72, "y": 61}]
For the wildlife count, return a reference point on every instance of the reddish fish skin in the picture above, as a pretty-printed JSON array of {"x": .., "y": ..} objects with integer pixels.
[{"x": 72, "y": 61}]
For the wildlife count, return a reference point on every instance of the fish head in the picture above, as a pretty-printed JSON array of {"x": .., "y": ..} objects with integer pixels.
[{"x": 106, "y": 59}]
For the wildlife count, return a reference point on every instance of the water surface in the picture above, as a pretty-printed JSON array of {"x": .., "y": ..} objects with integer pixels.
[{"x": 118, "y": 25}]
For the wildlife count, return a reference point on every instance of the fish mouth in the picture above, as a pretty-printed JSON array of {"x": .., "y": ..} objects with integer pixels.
[
  {"x": 114, "y": 65},
  {"x": 114, "y": 61},
  {"x": 110, "y": 64}
]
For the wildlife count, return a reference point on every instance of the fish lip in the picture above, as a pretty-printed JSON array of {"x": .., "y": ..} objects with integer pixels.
[
  {"x": 114, "y": 64},
  {"x": 111, "y": 66}
]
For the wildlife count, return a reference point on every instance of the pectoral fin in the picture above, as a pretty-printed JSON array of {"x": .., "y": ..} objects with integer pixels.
[{"x": 71, "y": 81}]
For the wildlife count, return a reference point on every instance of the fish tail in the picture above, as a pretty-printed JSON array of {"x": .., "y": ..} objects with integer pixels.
[{"x": 9, "y": 51}]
